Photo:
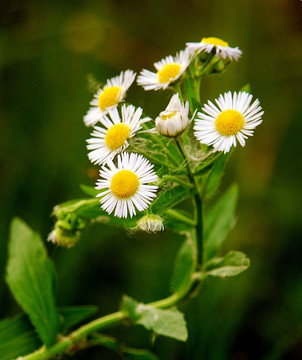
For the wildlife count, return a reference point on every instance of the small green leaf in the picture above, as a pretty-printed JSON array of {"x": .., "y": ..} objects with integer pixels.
[
  {"x": 169, "y": 322},
  {"x": 129, "y": 353},
  {"x": 246, "y": 88},
  {"x": 89, "y": 190},
  {"x": 17, "y": 337},
  {"x": 234, "y": 263},
  {"x": 185, "y": 265},
  {"x": 73, "y": 315},
  {"x": 218, "y": 222},
  {"x": 31, "y": 278}
]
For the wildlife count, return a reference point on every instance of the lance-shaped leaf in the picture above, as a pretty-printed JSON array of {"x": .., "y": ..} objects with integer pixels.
[
  {"x": 234, "y": 263},
  {"x": 213, "y": 178},
  {"x": 219, "y": 221},
  {"x": 185, "y": 265},
  {"x": 31, "y": 278},
  {"x": 169, "y": 322}
]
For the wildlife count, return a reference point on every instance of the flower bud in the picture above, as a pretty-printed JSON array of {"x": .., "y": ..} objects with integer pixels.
[
  {"x": 151, "y": 223},
  {"x": 174, "y": 120},
  {"x": 63, "y": 237}
]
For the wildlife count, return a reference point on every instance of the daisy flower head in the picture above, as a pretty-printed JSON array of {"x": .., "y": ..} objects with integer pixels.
[
  {"x": 168, "y": 70},
  {"x": 125, "y": 186},
  {"x": 112, "y": 138},
  {"x": 234, "y": 119},
  {"x": 174, "y": 120},
  {"x": 222, "y": 48},
  {"x": 109, "y": 97}
]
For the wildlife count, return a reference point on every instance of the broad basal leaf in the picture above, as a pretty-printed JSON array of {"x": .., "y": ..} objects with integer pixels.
[
  {"x": 234, "y": 263},
  {"x": 218, "y": 221},
  {"x": 30, "y": 276},
  {"x": 169, "y": 322}
]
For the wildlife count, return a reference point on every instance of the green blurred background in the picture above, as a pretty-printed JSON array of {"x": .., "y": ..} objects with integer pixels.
[{"x": 48, "y": 49}]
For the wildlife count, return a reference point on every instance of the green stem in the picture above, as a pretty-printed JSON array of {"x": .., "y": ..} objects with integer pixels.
[
  {"x": 109, "y": 320},
  {"x": 198, "y": 205}
]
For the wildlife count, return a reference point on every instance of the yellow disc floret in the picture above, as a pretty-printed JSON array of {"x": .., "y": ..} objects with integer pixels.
[
  {"x": 229, "y": 122},
  {"x": 168, "y": 73},
  {"x": 214, "y": 41},
  {"x": 168, "y": 116},
  {"x": 124, "y": 184},
  {"x": 117, "y": 135},
  {"x": 109, "y": 97}
]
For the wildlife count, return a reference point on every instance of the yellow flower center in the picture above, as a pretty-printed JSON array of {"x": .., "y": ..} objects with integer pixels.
[
  {"x": 168, "y": 73},
  {"x": 109, "y": 97},
  {"x": 124, "y": 184},
  {"x": 214, "y": 41},
  {"x": 116, "y": 136},
  {"x": 168, "y": 116},
  {"x": 229, "y": 122}
]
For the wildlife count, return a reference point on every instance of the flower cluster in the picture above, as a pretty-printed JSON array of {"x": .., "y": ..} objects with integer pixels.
[{"x": 128, "y": 182}]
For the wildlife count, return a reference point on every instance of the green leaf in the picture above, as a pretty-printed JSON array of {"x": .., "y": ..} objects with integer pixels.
[
  {"x": 31, "y": 278},
  {"x": 185, "y": 266},
  {"x": 246, "y": 88},
  {"x": 170, "y": 197},
  {"x": 219, "y": 221},
  {"x": 73, "y": 315},
  {"x": 214, "y": 177},
  {"x": 169, "y": 322},
  {"x": 178, "y": 220},
  {"x": 89, "y": 190},
  {"x": 234, "y": 263},
  {"x": 17, "y": 337},
  {"x": 129, "y": 353}
]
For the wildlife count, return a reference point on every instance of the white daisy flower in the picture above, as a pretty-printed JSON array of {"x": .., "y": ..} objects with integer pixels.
[
  {"x": 109, "y": 96},
  {"x": 222, "y": 48},
  {"x": 112, "y": 138},
  {"x": 174, "y": 120},
  {"x": 125, "y": 186},
  {"x": 234, "y": 119},
  {"x": 168, "y": 69}
]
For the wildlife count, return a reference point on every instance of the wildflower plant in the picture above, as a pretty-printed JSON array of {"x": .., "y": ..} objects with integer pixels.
[{"x": 147, "y": 169}]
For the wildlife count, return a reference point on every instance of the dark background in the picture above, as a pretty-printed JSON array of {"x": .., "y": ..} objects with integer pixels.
[{"x": 47, "y": 51}]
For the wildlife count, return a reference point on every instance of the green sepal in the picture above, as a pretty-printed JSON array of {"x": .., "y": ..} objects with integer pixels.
[
  {"x": 232, "y": 264},
  {"x": 169, "y": 322},
  {"x": 30, "y": 276},
  {"x": 218, "y": 221}
]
